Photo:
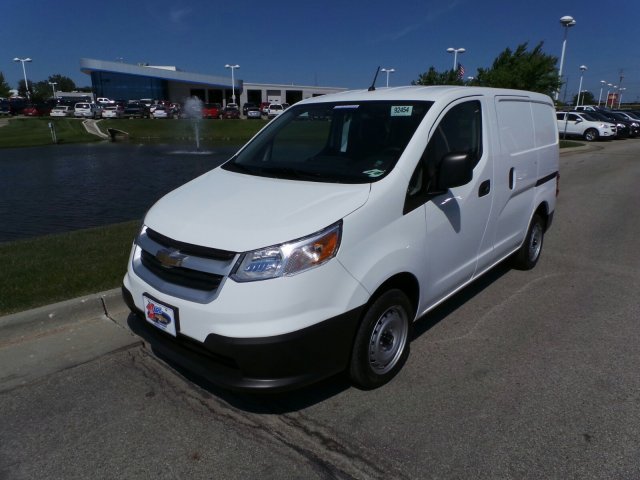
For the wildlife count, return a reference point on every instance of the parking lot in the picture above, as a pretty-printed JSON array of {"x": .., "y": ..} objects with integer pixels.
[{"x": 521, "y": 375}]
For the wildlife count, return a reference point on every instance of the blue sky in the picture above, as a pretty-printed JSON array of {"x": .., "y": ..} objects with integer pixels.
[{"x": 331, "y": 43}]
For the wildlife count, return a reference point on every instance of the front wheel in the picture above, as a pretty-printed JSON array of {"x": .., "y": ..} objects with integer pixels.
[
  {"x": 527, "y": 256},
  {"x": 382, "y": 342},
  {"x": 591, "y": 135}
]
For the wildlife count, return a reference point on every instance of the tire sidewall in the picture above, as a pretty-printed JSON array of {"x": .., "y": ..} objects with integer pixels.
[
  {"x": 360, "y": 370},
  {"x": 522, "y": 259}
]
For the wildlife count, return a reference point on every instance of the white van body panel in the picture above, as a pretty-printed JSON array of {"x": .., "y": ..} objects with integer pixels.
[
  {"x": 439, "y": 245},
  {"x": 240, "y": 213}
]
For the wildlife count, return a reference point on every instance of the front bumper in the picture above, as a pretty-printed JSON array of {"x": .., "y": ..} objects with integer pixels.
[{"x": 274, "y": 363}]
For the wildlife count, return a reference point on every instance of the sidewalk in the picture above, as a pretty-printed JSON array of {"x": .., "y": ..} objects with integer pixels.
[{"x": 38, "y": 342}]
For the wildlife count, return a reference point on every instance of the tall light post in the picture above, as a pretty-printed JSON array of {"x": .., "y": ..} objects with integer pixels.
[
  {"x": 620, "y": 97},
  {"x": 24, "y": 71},
  {"x": 233, "y": 82},
  {"x": 455, "y": 52},
  {"x": 602, "y": 84},
  {"x": 53, "y": 87},
  {"x": 582, "y": 70},
  {"x": 388, "y": 71},
  {"x": 567, "y": 22}
]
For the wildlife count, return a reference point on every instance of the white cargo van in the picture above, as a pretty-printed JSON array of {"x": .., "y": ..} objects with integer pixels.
[{"x": 314, "y": 248}]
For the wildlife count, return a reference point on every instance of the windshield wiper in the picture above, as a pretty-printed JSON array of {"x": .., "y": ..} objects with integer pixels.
[{"x": 290, "y": 173}]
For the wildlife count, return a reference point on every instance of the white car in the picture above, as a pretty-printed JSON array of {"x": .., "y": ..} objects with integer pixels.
[
  {"x": 86, "y": 110},
  {"x": 314, "y": 248},
  {"x": 274, "y": 110},
  {"x": 113, "y": 111},
  {"x": 581, "y": 124},
  {"x": 160, "y": 111},
  {"x": 61, "y": 111}
]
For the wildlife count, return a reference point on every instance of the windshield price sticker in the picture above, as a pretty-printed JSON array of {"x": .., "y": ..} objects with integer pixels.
[{"x": 401, "y": 110}]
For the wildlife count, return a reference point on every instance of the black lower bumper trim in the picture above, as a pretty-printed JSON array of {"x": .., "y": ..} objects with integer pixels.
[{"x": 275, "y": 363}]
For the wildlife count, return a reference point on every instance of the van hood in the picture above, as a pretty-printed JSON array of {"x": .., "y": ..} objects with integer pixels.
[{"x": 237, "y": 212}]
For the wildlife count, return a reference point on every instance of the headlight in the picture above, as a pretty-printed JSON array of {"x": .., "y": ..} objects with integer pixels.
[{"x": 289, "y": 258}]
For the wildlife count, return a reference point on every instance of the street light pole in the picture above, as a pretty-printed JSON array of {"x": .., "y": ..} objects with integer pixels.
[
  {"x": 24, "y": 71},
  {"x": 602, "y": 84},
  {"x": 620, "y": 97},
  {"x": 455, "y": 52},
  {"x": 388, "y": 71},
  {"x": 53, "y": 87},
  {"x": 233, "y": 82},
  {"x": 567, "y": 22},
  {"x": 582, "y": 69}
]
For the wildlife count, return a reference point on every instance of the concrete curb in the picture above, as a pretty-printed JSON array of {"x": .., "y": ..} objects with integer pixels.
[
  {"x": 109, "y": 303},
  {"x": 46, "y": 340}
]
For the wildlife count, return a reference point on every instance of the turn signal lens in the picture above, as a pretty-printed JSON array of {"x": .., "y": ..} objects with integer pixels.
[{"x": 289, "y": 258}]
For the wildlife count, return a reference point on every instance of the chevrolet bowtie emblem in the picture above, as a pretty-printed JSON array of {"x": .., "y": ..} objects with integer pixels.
[{"x": 170, "y": 258}]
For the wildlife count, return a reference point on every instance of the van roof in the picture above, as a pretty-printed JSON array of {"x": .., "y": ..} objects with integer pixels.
[{"x": 427, "y": 93}]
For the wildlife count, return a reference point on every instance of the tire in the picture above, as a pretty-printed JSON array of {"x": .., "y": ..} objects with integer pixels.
[
  {"x": 529, "y": 253},
  {"x": 381, "y": 346},
  {"x": 591, "y": 135}
]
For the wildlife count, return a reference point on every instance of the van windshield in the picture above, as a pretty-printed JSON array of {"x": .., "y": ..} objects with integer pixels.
[{"x": 338, "y": 142}]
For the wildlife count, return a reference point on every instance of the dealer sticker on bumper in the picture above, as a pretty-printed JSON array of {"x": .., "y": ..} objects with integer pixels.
[{"x": 159, "y": 315}]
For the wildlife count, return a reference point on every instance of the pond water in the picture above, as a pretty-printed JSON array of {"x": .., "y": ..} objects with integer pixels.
[{"x": 61, "y": 188}]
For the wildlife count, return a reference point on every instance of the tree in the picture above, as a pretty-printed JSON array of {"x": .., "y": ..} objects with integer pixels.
[
  {"x": 41, "y": 91},
  {"x": 63, "y": 84},
  {"x": 4, "y": 87},
  {"x": 521, "y": 69},
  {"x": 586, "y": 98},
  {"x": 433, "y": 77},
  {"x": 22, "y": 90}
]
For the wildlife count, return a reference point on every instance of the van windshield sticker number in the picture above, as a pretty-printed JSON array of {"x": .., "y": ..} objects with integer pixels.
[
  {"x": 373, "y": 173},
  {"x": 401, "y": 110}
]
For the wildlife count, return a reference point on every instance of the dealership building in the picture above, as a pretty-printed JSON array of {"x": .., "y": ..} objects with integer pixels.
[{"x": 122, "y": 81}]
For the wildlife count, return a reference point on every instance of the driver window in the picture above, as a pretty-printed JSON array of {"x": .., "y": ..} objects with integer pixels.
[{"x": 459, "y": 131}]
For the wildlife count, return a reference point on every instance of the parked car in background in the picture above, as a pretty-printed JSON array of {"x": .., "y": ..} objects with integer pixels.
[
  {"x": 634, "y": 125},
  {"x": 246, "y": 107},
  {"x": 86, "y": 110},
  {"x": 231, "y": 111},
  {"x": 274, "y": 110},
  {"x": 623, "y": 128},
  {"x": 36, "y": 110},
  {"x": 581, "y": 124},
  {"x": 135, "y": 110},
  {"x": 264, "y": 107},
  {"x": 104, "y": 101},
  {"x": 212, "y": 110},
  {"x": 5, "y": 107},
  {"x": 113, "y": 111},
  {"x": 253, "y": 112},
  {"x": 160, "y": 111},
  {"x": 61, "y": 111}
]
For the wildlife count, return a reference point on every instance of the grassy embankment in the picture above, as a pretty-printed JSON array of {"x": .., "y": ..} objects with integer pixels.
[
  {"x": 31, "y": 132},
  {"x": 53, "y": 268}
]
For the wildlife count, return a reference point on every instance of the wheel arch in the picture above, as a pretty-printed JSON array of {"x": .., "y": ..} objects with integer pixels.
[{"x": 405, "y": 282}]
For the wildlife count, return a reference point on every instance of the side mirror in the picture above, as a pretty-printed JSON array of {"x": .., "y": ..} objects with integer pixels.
[
  {"x": 455, "y": 170},
  {"x": 579, "y": 120}
]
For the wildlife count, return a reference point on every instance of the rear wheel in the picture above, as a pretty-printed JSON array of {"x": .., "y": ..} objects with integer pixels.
[
  {"x": 382, "y": 342},
  {"x": 527, "y": 256},
  {"x": 591, "y": 135}
]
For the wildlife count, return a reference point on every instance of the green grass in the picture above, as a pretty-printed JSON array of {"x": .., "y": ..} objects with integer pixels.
[
  {"x": 183, "y": 130},
  {"x": 570, "y": 144},
  {"x": 53, "y": 268},
  {"x": 31, "y": 132}
]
